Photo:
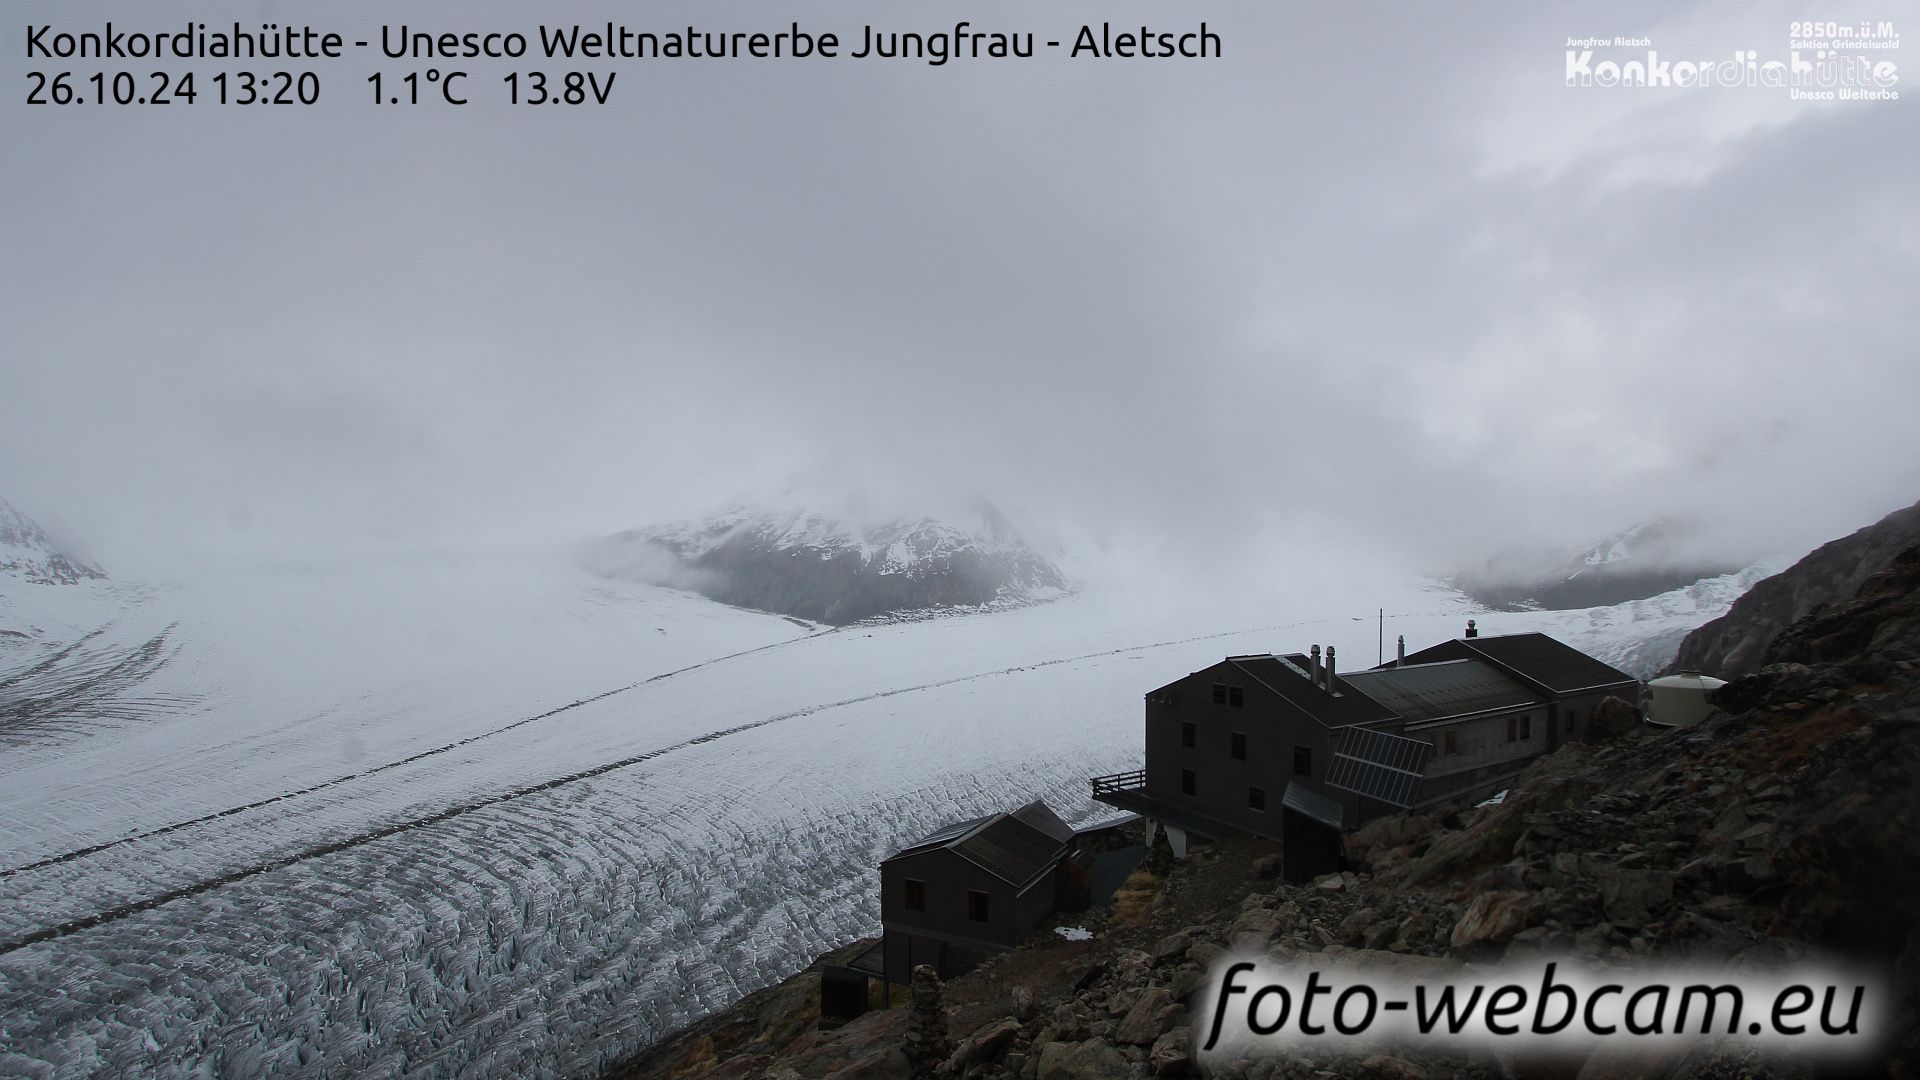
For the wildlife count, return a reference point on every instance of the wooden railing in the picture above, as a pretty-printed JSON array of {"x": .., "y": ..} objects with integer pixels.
[{"x": 1126, "y": 781}]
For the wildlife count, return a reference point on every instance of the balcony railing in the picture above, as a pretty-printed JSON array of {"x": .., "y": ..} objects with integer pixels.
[{"x": 1126, "y": 781}]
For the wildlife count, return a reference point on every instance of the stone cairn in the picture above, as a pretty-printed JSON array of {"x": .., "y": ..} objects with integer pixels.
[{"x": 927, "y": 1042}]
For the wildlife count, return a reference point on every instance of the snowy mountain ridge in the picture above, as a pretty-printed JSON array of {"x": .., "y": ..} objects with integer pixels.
[
  {"x": 1636, "y": 563},
  {"x": 27, "y": 552}
]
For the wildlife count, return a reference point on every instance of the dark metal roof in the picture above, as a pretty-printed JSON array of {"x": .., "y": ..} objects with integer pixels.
[
  {"x": 1287, "y": 677},
  {"x": 1379, "y": 765},
  {"x": 1419, "y": 692},
  {"x": 1011, "y": 850},
  {"x": 1015, "y": 847},
  {"x": 945, "y": 833},
  {"x": 1041, "y": 816},
  {"x": 1559, "y": 667},
  {"x": 1303, "y": 800}
]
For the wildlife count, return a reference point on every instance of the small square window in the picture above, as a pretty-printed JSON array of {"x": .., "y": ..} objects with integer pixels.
[
  {"x": 1189, "y": 734},
  {"x": 1303, "y": 761},
  {"x": 1256, "y": 798},
  {"x": 1236, "y": 696},
  {"x": 916, "y": 895},
  {"x": 1239, "y": 746},
  {"x": 976, "y": 905},
  {"x": 1187, "y": 783},
  {"x": 1219, "y": 693}
]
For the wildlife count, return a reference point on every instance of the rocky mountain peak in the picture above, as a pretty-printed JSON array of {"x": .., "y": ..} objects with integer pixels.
[{"x": 27, "y": 552}]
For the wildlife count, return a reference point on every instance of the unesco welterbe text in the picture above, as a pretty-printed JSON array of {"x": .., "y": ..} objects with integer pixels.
[{"x": 936, "y": 46}]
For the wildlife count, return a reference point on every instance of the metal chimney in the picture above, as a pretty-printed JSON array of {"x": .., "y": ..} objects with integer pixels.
[
  {"x": 1313, "y": 668},
  {"x": 1400, "y": 652},
  {"x": 1329, "y": 669},
  {"x": 1472, "y": 630}
]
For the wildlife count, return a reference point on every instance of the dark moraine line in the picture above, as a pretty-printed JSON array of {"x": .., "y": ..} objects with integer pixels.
[
  {"x": 106, "y": 677},
  {"x": 335, "y": 847},
  {"x": 95, "y": 849},
  {"x": 52, "y": 661}
]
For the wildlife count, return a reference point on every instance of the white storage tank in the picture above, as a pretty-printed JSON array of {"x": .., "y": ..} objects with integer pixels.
[{"x": 1682, "y": 700}]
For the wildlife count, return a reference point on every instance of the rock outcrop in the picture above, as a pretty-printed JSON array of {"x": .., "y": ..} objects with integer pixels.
[
  {"x": 27, "y": 552},
  {"x": 1736, "y": 643}
]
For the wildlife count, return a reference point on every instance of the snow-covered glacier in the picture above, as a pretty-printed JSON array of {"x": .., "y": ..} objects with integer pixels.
[{"x": 416, "y": 815}]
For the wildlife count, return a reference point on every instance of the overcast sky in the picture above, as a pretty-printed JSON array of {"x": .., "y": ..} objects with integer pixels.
[{"x": 1375, "y": 272}]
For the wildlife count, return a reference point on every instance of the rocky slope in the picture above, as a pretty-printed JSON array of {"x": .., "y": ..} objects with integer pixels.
[
  {"x": 1636, "y": 563},
  {"x": 1784, "y": 828},
  {"x": 827, "y": 568},
  {"x": 1736, "y": 643},
  {"x": 27, "y": 552}
]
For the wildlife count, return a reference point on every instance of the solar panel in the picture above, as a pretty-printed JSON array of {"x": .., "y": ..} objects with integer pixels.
[
  {"x": 1379, "y": 765},
  {"x": 1302, "y": 800}
]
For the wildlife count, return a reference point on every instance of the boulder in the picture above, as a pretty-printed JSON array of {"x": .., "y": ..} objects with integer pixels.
[
  {"x": 986, "y": 1044},
  {"x": 1149, "y": 1018},
  {"x": 1172, "y": 1053},
  {"x": 1493, "y": 917},
  {"x": 1173, "y": 947},
  {"x": 1611, "y": 719},
  {"x": 1632, "y": 896},
  {"x": 1089, "y": 1060}
]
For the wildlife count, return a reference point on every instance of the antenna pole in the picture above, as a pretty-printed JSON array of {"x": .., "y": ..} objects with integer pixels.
[{"x": 1380, "y": 640}]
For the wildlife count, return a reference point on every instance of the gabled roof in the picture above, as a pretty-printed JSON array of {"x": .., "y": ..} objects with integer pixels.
[
  {"x": 948, "y": 832},
  {"x": 1017, "y": 846},
  {"x": 1448, "y": 688},
  {"x": 1287, "y": 677},
  {"x": 1558, "y": 667},
  {"x": 1041, "y": 816}
]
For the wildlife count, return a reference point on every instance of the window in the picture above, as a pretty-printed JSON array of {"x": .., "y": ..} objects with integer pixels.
[
  {"x": 916, "y": 898},
  {"x": 1303, "y": 761},
  {"x": 1187, "y": 784},
  {"x": 976, "y": 905},
  {"x": 1239, "y": 748},
  {"x": 1236, "y": 696},
  {"x": 1453, "y": 745},
  {"x": 1256, "y": 798},
  {"x": 1513, "y": 728},
  {"x": 1219, "y": 693},
  {"x": 1188, "y": 734},
  {"x": 1526, "y": 727}
]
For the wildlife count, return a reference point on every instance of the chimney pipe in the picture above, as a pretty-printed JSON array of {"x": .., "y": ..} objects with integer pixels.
[
  {"x": 1472, "y": 630},
  {"x": 1400, "y": 652},
  {"x": 1313, "y": 668},
  {"x": 1329, "y": 669}
]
